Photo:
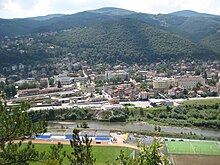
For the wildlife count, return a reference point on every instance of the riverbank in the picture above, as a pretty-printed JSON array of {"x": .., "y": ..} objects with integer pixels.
[{"x": 141, "y": 128}]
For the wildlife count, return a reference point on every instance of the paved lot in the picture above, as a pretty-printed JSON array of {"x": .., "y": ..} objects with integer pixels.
[
  {"x": 142, "y": 139},
  {"x": 142, "y": 104}
]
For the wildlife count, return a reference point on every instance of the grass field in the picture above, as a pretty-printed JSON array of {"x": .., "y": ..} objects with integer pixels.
[
  {"x": 199, "y": 148},
  {"x": 101, "y": 153},
  {"x": 202, "y": 102}
]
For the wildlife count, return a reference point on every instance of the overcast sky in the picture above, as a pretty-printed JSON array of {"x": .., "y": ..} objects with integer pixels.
[{"x": 30, "y": 8}]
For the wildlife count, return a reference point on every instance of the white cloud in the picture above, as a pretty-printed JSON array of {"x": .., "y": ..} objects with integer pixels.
[
  {"x": 167, "y": 6},
  {"x": 28, "y": 8},
  {"x": 26, "y": 4}
]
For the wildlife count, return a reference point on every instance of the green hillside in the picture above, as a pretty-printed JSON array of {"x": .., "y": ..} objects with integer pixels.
[
  {"x": 129, "y": 41},
  {"x": 213, "y": 41}
]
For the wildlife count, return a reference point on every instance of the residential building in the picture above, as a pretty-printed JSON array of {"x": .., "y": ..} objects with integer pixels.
[
  {"x": 100, "y": 77},
  {"x": 120, "y": 74},
  {"x": 218, "y": 87},
  {"x": 28, "y": 92},
  {"x": 162, "y": 83},
  {"x": 189, "y": 82},
  {"x": 50, "y": 90},
  {"x": 63, "y": 78},
  {"x": 143, "y": 95},
  {"x": 44, "y": 82}
]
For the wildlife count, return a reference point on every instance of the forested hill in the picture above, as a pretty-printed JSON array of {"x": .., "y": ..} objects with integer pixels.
[
  {"x": 188, "y": 24},
  {"x": 112, "y": 35},
  {"x": 127, "y": 40}
]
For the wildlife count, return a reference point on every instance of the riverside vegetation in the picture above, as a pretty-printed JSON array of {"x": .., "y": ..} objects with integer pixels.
[{"x": 206, "y": 116}]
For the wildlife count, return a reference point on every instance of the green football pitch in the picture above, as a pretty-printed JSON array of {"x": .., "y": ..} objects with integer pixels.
[{"x": 191, "y": 147}]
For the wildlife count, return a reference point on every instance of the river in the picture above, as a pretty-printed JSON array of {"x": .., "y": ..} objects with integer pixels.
[{"x": 134, "y": 126}]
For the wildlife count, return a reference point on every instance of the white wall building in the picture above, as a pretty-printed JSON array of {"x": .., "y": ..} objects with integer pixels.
[
  {"x": 63, "y": 78},
  {"x": 163, "y": 83},
  {"x": 111, "y": 106},
  {"x": 189, "y": 82},
  {"x": 121, "y": 74}
]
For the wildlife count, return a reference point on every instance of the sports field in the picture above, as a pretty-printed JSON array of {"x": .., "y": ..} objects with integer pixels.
[
  {"x": 191, "y": 147},
  {"x": 202, "y": 102},
  {"x": 102, "y": 154}
]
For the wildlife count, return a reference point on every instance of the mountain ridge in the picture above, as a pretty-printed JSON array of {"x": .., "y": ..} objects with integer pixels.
[
  {"x": 188, "y": 36},
  {"x": 191, "y": 13}
]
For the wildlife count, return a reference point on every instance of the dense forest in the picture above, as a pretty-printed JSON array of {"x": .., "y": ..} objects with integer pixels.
[{"x": 127, "y": 40}]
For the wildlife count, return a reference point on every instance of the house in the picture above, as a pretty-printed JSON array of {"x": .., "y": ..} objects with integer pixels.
[
  {"x": 113, "y": 101},
  {"x": 100, "y": 76},
  {"x": 143, "y": 96},
  {"x": 50, "y": 90},
  {"x": 77, "y": 79},
  {"x": 28, "y": 92},
  {"x": 218, "y": 87},
  {"x": 171, "y": 92},
  {"x": 192, "y": 93},
  {"x": 44, "y": 82}
]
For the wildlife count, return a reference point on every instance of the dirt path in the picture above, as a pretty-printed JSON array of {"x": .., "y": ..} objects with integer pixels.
[{"x": 39, "y": 141}]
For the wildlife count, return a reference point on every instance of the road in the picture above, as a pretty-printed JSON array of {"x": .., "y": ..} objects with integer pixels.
[{"x": 142, "y": 104}]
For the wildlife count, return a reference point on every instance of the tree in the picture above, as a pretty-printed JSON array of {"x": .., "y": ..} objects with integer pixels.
[
  {"x": 159, "y": 128},
  {"x": 15, "y": 124},
  {"x": 185, "y": 92},
  {"x": 13, "y": 153},
  {"x": 10, "y": 91},
  {"x": 54, "y": 156},
  {"x": 198, "y": 85},
  {"x": 197, "y": 72},
  {"x": 82, "y": 150},
  {"x": 84, "y": 125},
  {"x": 168, "y": 109},
  {"x": 205, "y": 75},
  {"x": 51, "y": 82},
  {"x": 59, "y": 84},
  {"x": 43, "y": 84}
]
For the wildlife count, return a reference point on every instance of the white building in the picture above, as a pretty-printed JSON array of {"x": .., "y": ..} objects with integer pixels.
[
  {"x": 143, "y": 95},
  {"x": 189, "y": 82},
  {"x": 111, "y": 106},
  {"x": 3, "y": 80},
  {"x": 163, "y": 83},
  {"x": 121, "y": 74},
  {"x": 63, "y": 78}
]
